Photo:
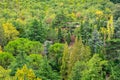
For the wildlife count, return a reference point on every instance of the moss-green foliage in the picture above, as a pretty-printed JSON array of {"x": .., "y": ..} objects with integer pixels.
[
  {"x": 65, "y": 62},
  {"x": 6, "y": 59},
  {"x": 24, "y": 45},
  {"x": 113, "y": 50},
  {"x": 55, "y": 55},
  {"x": 36, "y": 31},
  {"x": 41, "y": 67},
  {"x": 95, "y": 69}
]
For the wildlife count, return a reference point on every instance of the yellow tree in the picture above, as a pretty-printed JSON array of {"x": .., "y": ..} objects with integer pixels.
[
  {"x": 110, "y": 28},
  {"x": 4, "y": 74},
  {"x": 10, "y": 32},
  {"x": 65, "y": 59},
  {"x": 25, "y": 73},
  {"x": 109, "y": 31}
]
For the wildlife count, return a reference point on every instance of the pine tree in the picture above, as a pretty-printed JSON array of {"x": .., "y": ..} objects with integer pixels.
[
  {"x": 79, "y": 52},
  {"x": 95, "y": 42},
  {"x": 65, "y": 59}
]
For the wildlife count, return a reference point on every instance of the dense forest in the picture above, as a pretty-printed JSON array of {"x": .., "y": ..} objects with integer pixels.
[{"x": 59, "y": 39}]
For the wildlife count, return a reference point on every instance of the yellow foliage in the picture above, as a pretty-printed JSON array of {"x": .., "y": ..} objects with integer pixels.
[
  {"x": 0, "y": 49},
  {"x": 110, "y": 28},
  {"x": 109, "y": 31},
  {"x": 25, "y": 73},
  {"x": 4, "y": 74},
  {"x": 10, "y": 31},
  {"x": 98, "y": 12}
]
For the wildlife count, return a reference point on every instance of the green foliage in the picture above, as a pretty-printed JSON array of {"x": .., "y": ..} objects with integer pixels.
[
  {"x": 60, "y": 36},
  {"x": 41, "y": 67},
  {"x": 20, "y": 61},
  {"x": 6, "y": 59},
  {"x": 36, "y": 31},
  {"x": 112, "y": 50},
  {"x": 115, "y": 75},
  {"x": 79, "y": 52},
  {"x": 115, "y": 1},
  {"x": 1, "y": 36},
  {"x": 95, "y": 69},
  {"x": 35, "y": 61},
  {"x": 95, "y": 42},
  {"x": 55, "y": 55},
  {"x": 65, "y": 60},
  {"x": 25, "y": 45},
  {"x": 52, "y": 35},
  {"x": 26, "y": 23},
  {"x": 116, "y": 11},
  {"x": 117, "y": 28},
  {"x": 77, "y": 71}
]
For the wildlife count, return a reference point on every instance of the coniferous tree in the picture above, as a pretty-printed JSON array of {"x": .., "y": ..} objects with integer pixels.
[
  {"x": 65, "y": 60},
  {"x": 95, "y": 42},
  {"x": 79, "y": 52}
]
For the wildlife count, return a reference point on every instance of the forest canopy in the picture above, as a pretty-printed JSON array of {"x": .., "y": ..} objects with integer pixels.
[{"x": 59, "y": 39}]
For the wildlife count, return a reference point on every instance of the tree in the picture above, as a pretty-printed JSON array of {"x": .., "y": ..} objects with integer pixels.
[
  {"x": 36, "y": 31},
  {"x": 115, "y": 1},
  {"x": 10, "y": 32},
  {"x": 112, "y": 50},
  {"x": 95, "y": 69},
  {"x": 64, "y": 65},
  {"x": 55, "y": 55},
  {"x": 25, "y": 74},
  {"x": 20, "y": 61},
  {"x": 95, "y": 42},
  {"x": 114, "y": 71},
  {"x": 77, "y": 70},
  {"x": 60, "y": 36},
  {"x": 116, "y": 11},
  {"x": 41, "y": 67},
  {"x": 79, "y": 52},
  {"x": 85, "y": 31},
  {"x": 117, "y": 28},
  {"x": 25, "y": 45},
  {"x": 1, "y": 36},
  {"x": 6, "y": 59},
  {"x": 4, "y": 74}
]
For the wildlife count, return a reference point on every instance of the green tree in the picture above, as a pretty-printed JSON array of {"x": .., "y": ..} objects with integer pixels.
[
  {"x": 112, "y": 50},
  {"x": 60, "y": 35},
  {"x": 55, "y": 55},
  {"x": 41, "y": 67},
  {"x": 117, "y": 28},
  {"x": 95, "y": 69},
  {"x": 1, "y": 36},
  {"x": 95, "y": 42},
  {"x": 36, "y": 31},
  {"x": 77, "y": 70},
  {"x": 79, "y": 52},
  {"x": 20, "y": 61},
  {"x": 6, "y": 59},
  {"x": 25, "y": 45},
  {"x": 114, "y": 71},
  {"x": 65, "y": 59}
]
